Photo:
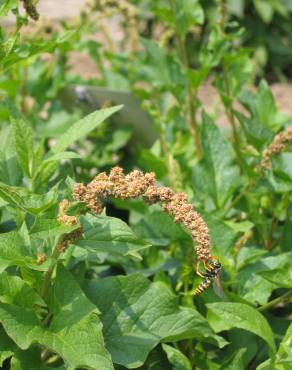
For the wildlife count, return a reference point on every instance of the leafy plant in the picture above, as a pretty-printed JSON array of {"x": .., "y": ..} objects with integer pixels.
[{"x": 98, "y": 267}]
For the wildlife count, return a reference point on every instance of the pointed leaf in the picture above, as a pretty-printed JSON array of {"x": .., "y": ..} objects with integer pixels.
[
  {"x": 23, "y": 137},
  {"x": 138, "y": 314},
  {"x": 13, "y": 251},
  {"x": 109, "y": 235},
  {"x": 83, "y": 127},
  {"x": 217, "y": 169},
  {"x": 75, "y": 332},
  {"x": 227, "y": 315}
]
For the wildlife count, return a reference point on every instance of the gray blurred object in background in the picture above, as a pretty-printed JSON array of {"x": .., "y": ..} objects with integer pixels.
[{"x": 90, "y": 98}]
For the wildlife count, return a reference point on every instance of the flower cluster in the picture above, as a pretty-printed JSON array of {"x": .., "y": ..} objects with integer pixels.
[
  {"x": 30, "y": 9},
  {"x": 137, "y": 184},
  {"x": 279, "y": 144}
]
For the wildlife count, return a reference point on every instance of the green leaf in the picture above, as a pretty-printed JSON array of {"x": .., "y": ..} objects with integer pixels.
[
  {"x": 13, "y": 252},
  {"x": 11, "y": 195},
  {"x": 188, "y": 13},
  {"x": 281, "y": 277},
  {"x": 216, "y": 174},
  {"x": 263, "y": 108},
  {"x": 23, "y": 137},
  {"x": 6, "y": 346},
  {"x": 158, "y": 228},
  {"x": 10, "y": 171},
  {"x": 252, "y": 286},
  {"x": 150, "y": 162},
  {"x": 75, "y": 332},
  {"x": 178, "y": 360},
  {"x": 83, "y": 127},
  {"x": 61, "y": 156},
  {"x": 7, "y": 5},
  {"x": 227, "y": 315},
  {"x": 285, "y": 348},
  {"x": 138, "y": 314},
  {"x": 281, "y": 175},
  {"x": 76, "y": 208},
  {"x": 49, "y": 228},
  {"x": 265, "y": 10},
  {"x": 236, "y": 362},
  {"x": 14, "y": 290},
  {"x": 30, "y": 360},
  {"x": 28, "y": 202},
  {"x": 109, "y": 235}
]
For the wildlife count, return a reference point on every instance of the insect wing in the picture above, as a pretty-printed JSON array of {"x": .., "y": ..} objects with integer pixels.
[{"x": 218, "y": 287}]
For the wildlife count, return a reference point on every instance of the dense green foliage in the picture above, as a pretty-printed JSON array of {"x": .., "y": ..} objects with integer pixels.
[{"x": 119, "y": 297}]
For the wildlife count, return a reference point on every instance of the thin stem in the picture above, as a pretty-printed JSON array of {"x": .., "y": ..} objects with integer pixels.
[
  {"x": 191, "y": 93},
  {"x": 167, "y": 155},
  {"x": 269, "y": 244},
  {"x": 285, "y": 298},
  {"x": 48, "y": 275}
]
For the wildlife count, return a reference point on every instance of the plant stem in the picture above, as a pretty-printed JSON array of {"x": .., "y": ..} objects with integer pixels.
[
  {"x": 287, "y": 297},
  {"x": 48, "y": 274},
  {"x": 191, "y": 93},
  {"x": 167, "y": 155}
]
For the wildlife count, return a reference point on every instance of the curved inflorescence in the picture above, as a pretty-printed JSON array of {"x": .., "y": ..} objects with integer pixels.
[
  {"x": 138, "y": 184},
  {"x": 277, "y": 146}
]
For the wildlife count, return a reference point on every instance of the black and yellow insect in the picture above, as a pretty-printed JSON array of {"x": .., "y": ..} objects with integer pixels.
[{"x": 213, "y": 267}]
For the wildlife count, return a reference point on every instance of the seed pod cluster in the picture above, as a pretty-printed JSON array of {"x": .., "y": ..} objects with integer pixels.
[
  {"x": 137, "y": 184},
  {"x": 30, "y": 9},
  {"x": 277, "y": 146}
]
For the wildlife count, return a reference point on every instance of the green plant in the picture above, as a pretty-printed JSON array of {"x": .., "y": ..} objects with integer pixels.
[{"x": 100, "y": 276}]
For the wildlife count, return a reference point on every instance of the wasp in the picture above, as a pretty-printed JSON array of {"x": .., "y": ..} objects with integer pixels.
[{"x": 213, "y": 268}]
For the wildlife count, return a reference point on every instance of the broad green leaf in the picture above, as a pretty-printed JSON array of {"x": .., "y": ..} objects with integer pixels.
[
  {"x": 30, "y": 360},
  {"x": 252, "y": 286},
  {"x": 23, "y": 137},
  {"x": 138, "y": 314},
  {"x": 37, "y": 203},
  {"x": 216, "y": 174},
  {"x": 247, "y": 255},
  {"x": 281, "y": 277},
  {"x": 109, "y": 235},
  {"x": 178, "y": 360},
  {"x": 75, "y": 332},
  {"x": 6, "y": 346},
  {"x": 13, "y": 252},
  {"x": 280, "y": 177},
  {"x": 236, "y": 362},
  {"x": 227, "y": 315},
  {"x": 83, "y": 127},
  {"x": 79, "y": 334},
  {"x": 159, "y": 229},
  {"x": 283, "y": 360},
  {"x": 22, "y": 199},
  {"x": 49, "y": 228},
  {"x": 14, "y": 290}
]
